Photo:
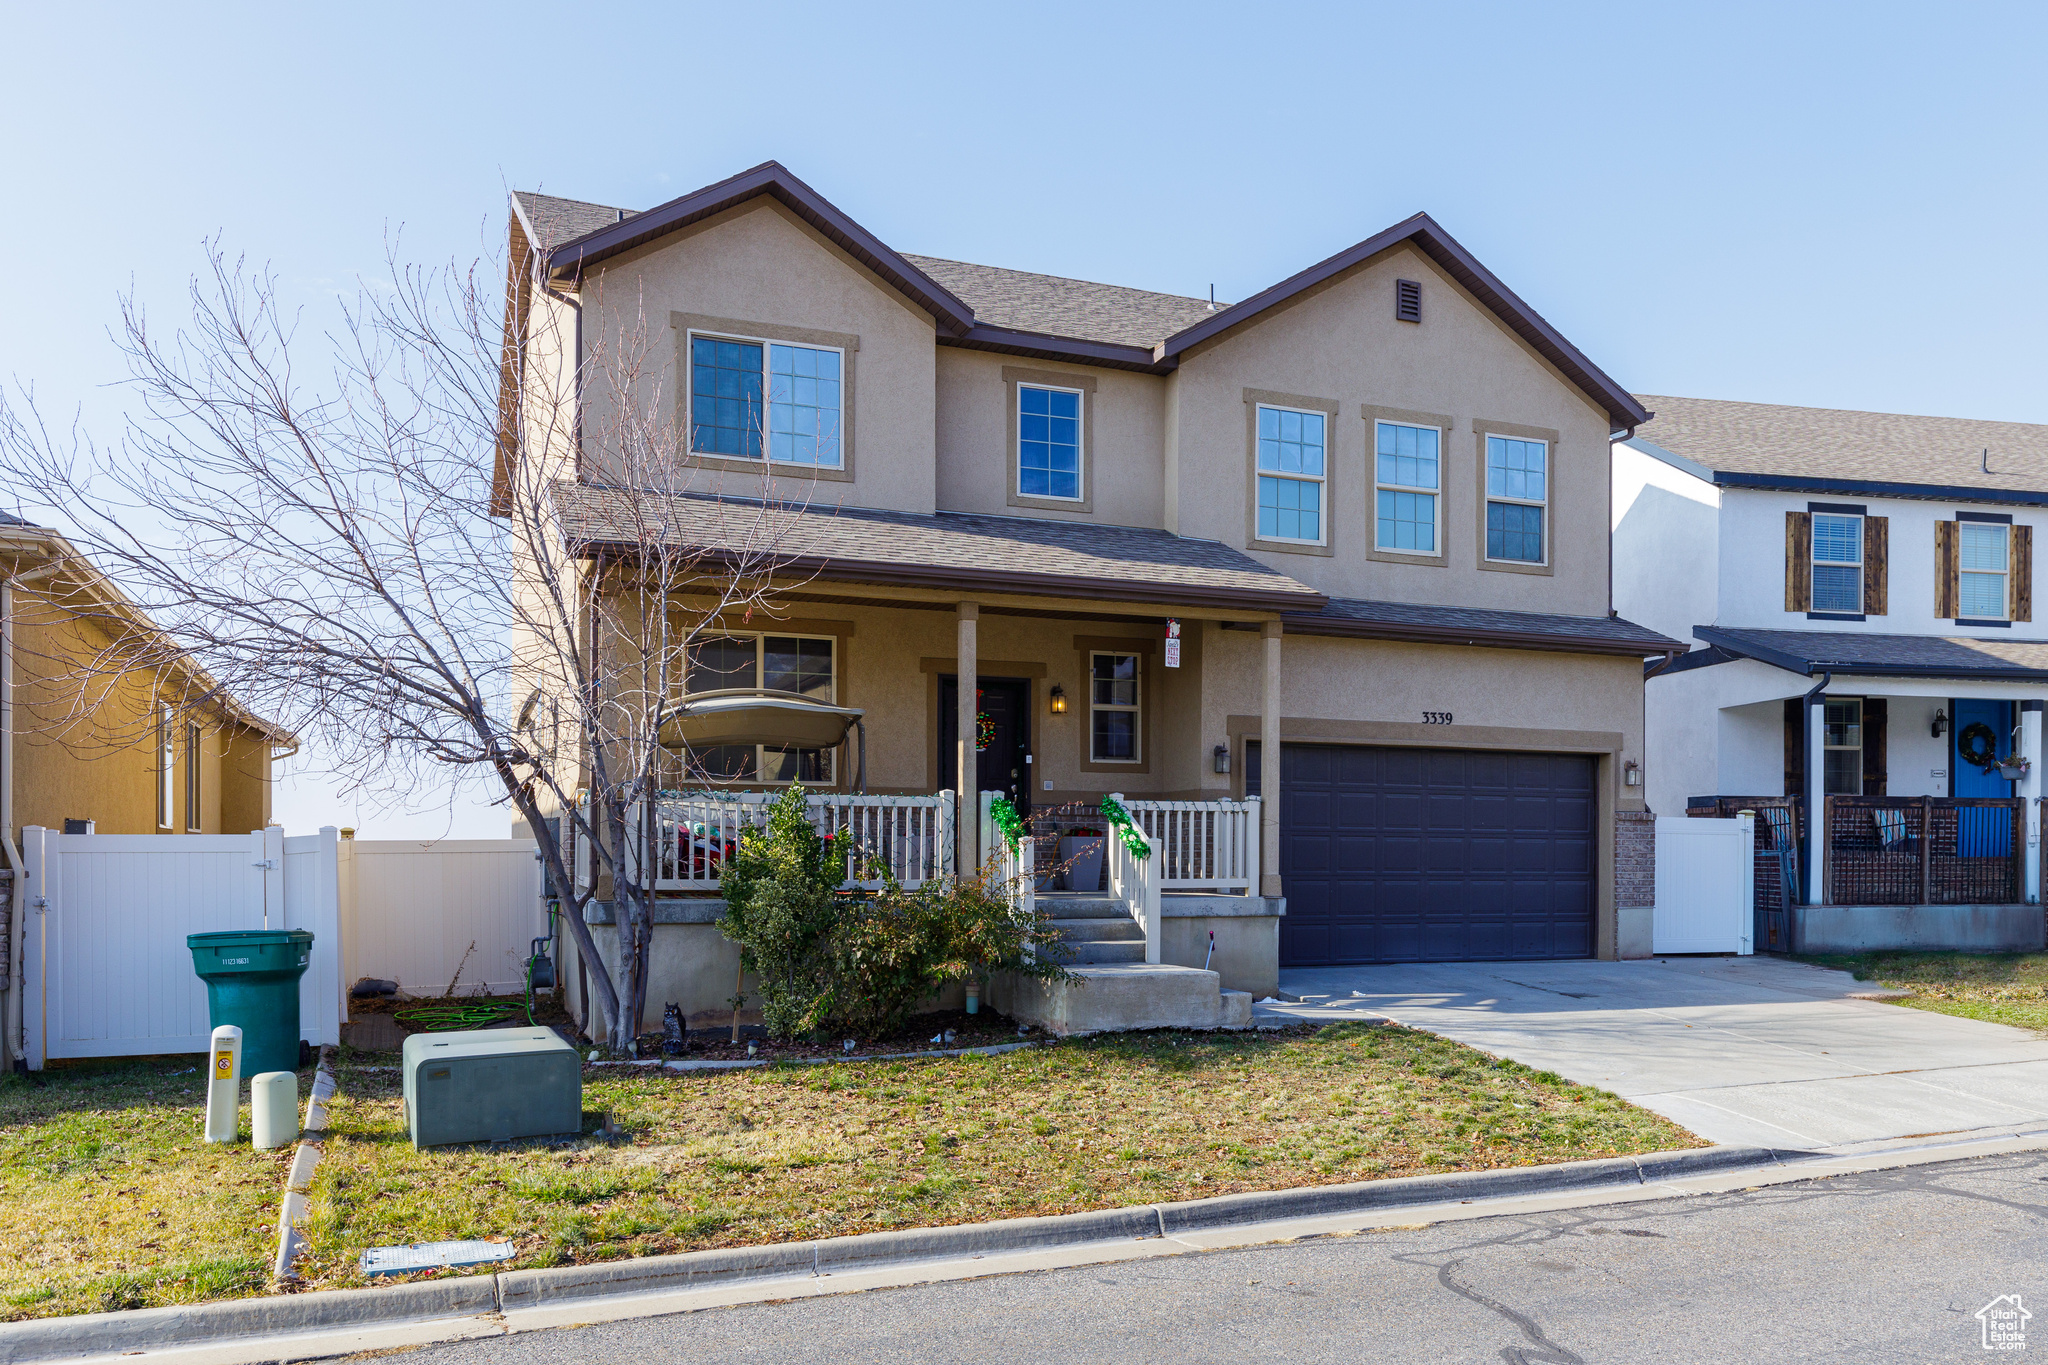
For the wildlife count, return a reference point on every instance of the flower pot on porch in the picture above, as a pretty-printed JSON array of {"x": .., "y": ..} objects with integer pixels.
[
  {"x": 2012, "y": 772},
  {"x": 1082, "y": 856}
]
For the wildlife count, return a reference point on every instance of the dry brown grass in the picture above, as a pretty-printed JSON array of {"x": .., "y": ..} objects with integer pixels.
[
  {"x": 735, "y": 1158},
  {"x": 109, "y": 1199},
  {"x": 1999, "y": 988}
]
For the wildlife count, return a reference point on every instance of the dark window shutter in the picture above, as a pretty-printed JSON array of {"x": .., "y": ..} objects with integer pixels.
[
  {"x": 1875, "y": 711},
  {"x": 1408, "y": 300},
  {"x": 1945, "y": 584},
  {"x": 1795, "y": 746},
  {"x": 1798, "y": 561},
  {"x": 1877, "y": 538},
  {"x": 2022, "y": 573}
]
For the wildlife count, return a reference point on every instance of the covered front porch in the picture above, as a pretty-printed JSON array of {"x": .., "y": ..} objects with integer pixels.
[{"x": 1897, "y": 793}]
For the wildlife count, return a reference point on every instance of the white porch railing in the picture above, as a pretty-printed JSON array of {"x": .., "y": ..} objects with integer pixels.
[
  {"x": 1135, "y": 882},
  {"x": 1203, "y": 844},
  {"x": 912, "y": 835},
  {"x": 1017, "y": 867}
]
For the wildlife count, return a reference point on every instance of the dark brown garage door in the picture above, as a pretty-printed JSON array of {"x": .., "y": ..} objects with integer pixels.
[{"x": 1433, "y": 855}]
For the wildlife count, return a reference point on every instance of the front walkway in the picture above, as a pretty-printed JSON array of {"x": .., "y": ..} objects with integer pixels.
[{"x": 1745, "y": 1050}]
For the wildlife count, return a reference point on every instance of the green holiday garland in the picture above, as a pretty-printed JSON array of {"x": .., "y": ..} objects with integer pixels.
[
  {"x": 1126, "y": 829},
  {"x": 1007, "y": 820}
]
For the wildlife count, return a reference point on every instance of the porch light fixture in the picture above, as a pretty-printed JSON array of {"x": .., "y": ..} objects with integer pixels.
[
  {"x": 1631, "y": 774},
  {"x": 1059, "y": 699},
  {"x": 1940, "y": 722},
  {"x": 1223, "y": 758}
]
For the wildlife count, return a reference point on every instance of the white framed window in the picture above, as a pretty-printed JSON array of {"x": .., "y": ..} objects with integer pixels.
[
  {"x": 1517, "y": 500},
  {"x": 166, "y": 768},
  {"x": 1115, "y": 727},
  {"x": 1292, "y": 451},
  {"x": 1842, "y": 746},
  {"x": 750, "y": 396},
  {"x": 1837, "y": 563},
  {"x": 1983, "y": 560},
  {"x": 803, "y": 664},
  {"x": 1408, "y": 473},
  {"x": 192, "y": 820},
  {"x": 1049, "y": 442}
]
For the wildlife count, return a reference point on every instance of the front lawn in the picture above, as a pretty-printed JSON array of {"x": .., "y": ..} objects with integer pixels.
[
  {"x": 715, "y": 1159},
  {"x": 1999, "y": 988},
  {"x": 109, "y": 1199}
]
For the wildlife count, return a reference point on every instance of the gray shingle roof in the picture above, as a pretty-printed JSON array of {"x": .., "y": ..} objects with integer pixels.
[
  {"x": 1477, "y": 625},
  {"x": 1864, "y": 447},
  {"x": 1055, "y": 306},
  {"x": 555, "y": 221},
  {"x": 1932, "y": 656},
  {"x": 944, "y": 549}
]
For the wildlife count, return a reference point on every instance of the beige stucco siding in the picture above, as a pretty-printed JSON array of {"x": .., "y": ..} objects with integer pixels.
[
  {"x": 758, "y": 266},
  {"x": 1342, "y": 344},
  {"x": 976, "y": 435}
]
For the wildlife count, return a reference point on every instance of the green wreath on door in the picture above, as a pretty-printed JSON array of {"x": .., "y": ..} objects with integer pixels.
[{"x": 1977, "y": 745}]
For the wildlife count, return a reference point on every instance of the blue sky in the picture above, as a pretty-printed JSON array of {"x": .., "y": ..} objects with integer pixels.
[{"x": 1835, "y": 205}]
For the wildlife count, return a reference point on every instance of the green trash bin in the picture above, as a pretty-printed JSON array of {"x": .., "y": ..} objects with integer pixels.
[{"x": 252, "y": 982}]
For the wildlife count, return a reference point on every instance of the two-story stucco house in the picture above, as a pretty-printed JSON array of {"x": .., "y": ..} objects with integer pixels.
[
  {"x": 1858, "y": 591},
  {"x": 1343, "y": 544}
]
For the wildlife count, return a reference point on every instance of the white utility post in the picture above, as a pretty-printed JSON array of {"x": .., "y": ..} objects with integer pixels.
[
  {"x": 2030, "y": 792},
  {"x": 1816, "y": 798}
]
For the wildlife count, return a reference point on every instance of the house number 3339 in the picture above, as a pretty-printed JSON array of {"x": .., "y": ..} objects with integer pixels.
[{"x": 1436, "y": 718}]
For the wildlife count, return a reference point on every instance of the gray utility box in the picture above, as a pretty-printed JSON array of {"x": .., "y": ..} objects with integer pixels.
[{"x": 489, "y": 1085}]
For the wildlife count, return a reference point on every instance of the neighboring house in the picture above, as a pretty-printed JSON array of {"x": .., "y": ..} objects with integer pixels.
[
  {"x": 1373, "y": 498},
  {"x": 155, "y": 749},
  {"x": 1858, "y": 589}
]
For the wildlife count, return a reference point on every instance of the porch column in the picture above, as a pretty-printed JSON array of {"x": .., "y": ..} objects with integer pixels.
[
  {"x": 2030, "y": 792},
  {"x": 1269, "y": 763},
  {"x": 967, "y": 819},
  {"x": 1816, "y": 799}
]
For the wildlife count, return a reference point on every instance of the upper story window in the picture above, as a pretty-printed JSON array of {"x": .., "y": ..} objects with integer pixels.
[
  {"x": 1837, "y": 563},
  {"x": 192, "y": 820},
  {"x": 786, "y": 663},
  {"x": 1409, "y": 473},
  {"x": 167, "y": 765},
  {"x": 1113, "y": 720},
  {"x": 1291, "y": 474},
  {"x": 1048, "y": 442},
  {"x": 1983, "y": 559},
  {"x": 750, "y": 396},
  {"x": 1517, "y": 498}
]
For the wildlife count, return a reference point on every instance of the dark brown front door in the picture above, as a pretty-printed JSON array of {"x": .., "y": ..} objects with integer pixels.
[{"x": 1005, "y": 737}]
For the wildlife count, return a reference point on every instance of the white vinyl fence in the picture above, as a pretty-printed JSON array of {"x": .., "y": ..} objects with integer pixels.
[
  {"x": 105, "y": 917},
  {"x": 1706, "y": 885},
  {"x": 420, "y": 913},
  {"x": 107, "y": 970}
]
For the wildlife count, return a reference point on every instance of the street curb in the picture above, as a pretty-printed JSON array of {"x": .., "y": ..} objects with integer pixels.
[{"x": 504, "y": 1291}]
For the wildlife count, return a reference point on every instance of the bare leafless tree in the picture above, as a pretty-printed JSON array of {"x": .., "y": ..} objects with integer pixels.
[{"x": 461, "y": 530}]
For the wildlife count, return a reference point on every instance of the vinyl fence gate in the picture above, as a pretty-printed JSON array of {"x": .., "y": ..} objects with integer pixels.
[{"x": 1706, "y": 886}]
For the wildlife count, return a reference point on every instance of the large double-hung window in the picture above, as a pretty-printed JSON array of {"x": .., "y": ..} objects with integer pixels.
[
  {"x": 1837, "y": 563},
  {"x": 786, "y": 663},
  {"x": 749, "y": 398},
  {"x": 1048, "y": 442},
  {"x": 1292, "y": 448},
  {"x": 1517, "y": 499},
  {"x": 1409, "y": 471},
  {"x": 1983, "y": 559}
]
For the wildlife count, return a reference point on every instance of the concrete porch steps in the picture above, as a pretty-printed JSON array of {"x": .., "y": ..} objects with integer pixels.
[{"x": 1115, "y": 988}]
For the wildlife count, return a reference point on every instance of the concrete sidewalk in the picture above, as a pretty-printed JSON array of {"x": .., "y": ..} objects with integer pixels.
[{"x": 1739, "y": 1050}]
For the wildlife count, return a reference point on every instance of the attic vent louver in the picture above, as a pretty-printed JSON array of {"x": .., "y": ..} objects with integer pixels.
[{"x": 1408, "y": 300}]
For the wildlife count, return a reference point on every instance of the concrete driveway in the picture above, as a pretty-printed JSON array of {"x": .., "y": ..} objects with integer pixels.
[{"x": 1747, "y": 1050}]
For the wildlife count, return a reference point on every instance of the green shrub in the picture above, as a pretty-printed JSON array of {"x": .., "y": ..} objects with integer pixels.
[{"x": 861, "y": 964}]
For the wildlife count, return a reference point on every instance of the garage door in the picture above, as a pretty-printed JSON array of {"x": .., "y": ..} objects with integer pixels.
[{"x": 1433, "y": 855}]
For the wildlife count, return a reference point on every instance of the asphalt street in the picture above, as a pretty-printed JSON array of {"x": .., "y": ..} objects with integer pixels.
[{"x": 1886, "y": 1266}]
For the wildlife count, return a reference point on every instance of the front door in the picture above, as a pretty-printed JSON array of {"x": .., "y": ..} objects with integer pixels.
[
  {"x": 1982, "y": 732},
  {"x": 1003, "y": 738}
]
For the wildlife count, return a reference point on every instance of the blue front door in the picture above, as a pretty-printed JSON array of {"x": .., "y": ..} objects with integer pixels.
[{"x": 1982, "y": 729}]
